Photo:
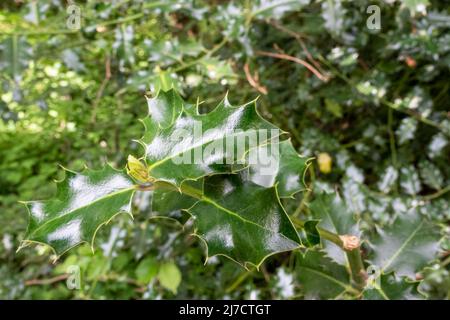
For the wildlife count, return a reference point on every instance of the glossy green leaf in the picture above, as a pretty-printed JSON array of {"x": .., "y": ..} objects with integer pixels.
[
  {"x": 242, "y": 220},
  {"x": 309, "y": 234},
  {"x": 406, "y": 246},
  {"x": 334, "y": 216},
  {"x": 181, "y": 144},
  {"x": 165, "y": 108},
  {"x": 282, "y": 167},
  {"x": 168, "y": 202},
  {"x": 84, "y": 202},
  {"x": 390, "y": 287},
  {"x": 320, "y": 277}
]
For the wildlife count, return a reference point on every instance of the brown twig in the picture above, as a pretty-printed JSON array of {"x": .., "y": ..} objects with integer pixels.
[
  {"x": 283, "y": 56},
  {"x": 299, "y": 37},
  {"x": 35, "y": 282},
  {"x": 102, "y": 88},
  {"x": 254, "y": 80}
]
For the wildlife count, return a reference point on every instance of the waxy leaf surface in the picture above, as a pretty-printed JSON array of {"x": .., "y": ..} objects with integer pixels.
[
  {"x": 406, "y": 246},
  {"x": 83, "y": 203},
  {"x": 334, "y": 216},
  {"x": 279, "y": 165},
  {"x": 181, "y": 144},
  {"x": 242, "y": 220}
]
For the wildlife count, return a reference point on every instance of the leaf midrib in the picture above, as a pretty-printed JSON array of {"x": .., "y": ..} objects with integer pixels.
[
  {"x": 159, "y": 162},
  {"x": 330, "y": 278},
  {"x": 236, "y": 215},
  {"x": 82, "y": 207},
  {"x": 402, "y": 247}
]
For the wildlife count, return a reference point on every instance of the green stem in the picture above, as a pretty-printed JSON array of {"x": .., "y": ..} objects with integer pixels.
[
  {"x": 237, "y": 282},
  {"x": 436, "y": 194},
  {"x": 356, "y": 268},
  {"x": 196, "y": 61},
  {"x": 327, "y": 235}
]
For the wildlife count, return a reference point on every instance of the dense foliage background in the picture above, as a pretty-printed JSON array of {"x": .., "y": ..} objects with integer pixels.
[{"x": 375, "y": 101}]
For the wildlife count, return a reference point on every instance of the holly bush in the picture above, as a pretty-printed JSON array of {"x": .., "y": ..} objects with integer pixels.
[{"x": 356, "y": 205}]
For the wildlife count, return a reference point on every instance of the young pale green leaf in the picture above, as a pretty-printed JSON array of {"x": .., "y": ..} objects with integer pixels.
[
  {"x": 181, "y": 144},
  {"x": 406, "y": 246},
  {"x": 84, "y": 202},
  {"x": 334, "y": 216},
  {"x": 321, "y": 278},
  {"x": 279, "y": 165},
  {"x": 242, "y": 221},
  {"x": 169, "y": 276},
  {"x": 390, "y": 287}
]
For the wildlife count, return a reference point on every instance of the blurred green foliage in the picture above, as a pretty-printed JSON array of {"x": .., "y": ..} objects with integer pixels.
[{"x": 377, "y": 102}]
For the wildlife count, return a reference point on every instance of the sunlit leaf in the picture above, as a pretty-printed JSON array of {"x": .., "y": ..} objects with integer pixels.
[
  {"x": 406, "y": 246},
  {"x": 335, "y": 217},
  {"x": 84, "y": 202},
  {"x": 169, "y": 276},
  {"x": 181, "y": 144}
]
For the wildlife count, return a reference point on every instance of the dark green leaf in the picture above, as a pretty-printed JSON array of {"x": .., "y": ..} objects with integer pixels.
[
  {"x": 309, "y": 234},
  {"x": 84, "y": 202},
  {"x": 280, "y": 165},
  {"x": 242, "y": 220},
  {"x": 320, "y": 277},
  {"x": 194, "y": 145},
  {"x": 334, "y": 216},
  {"x": 147, "y": 270}
]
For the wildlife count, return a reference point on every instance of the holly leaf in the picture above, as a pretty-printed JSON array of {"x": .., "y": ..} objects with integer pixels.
[
  {"x": 390, "y": 287},
  {"x": 15, "y": 53},
  {"x": 84, "y": 202},
  {"x": 242, "y": 220},
  {"x": 321, "y": 277},
  {"x": 406, "y": 246},
  {"x": 181, "y": 144},
  {"x": 334, "y": 216},
  {"x": 164, "y": 108},
  {"x": 278, "y": 164},
  {"x": 171, "y": 202}
]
